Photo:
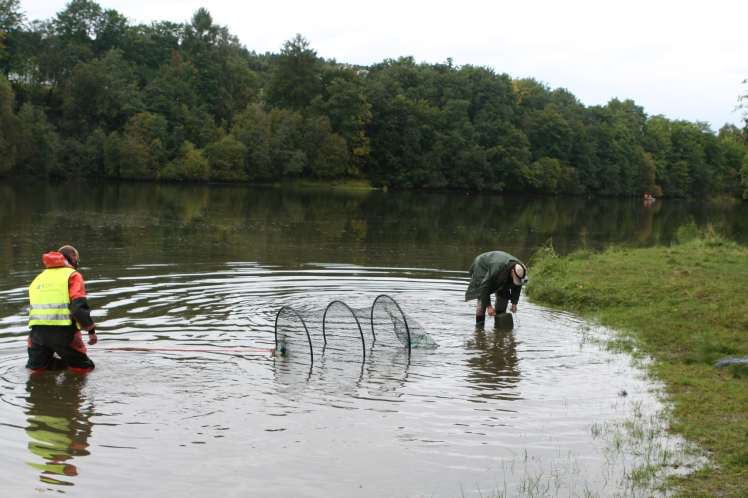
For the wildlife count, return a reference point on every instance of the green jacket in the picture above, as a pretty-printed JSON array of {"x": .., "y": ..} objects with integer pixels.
[{"x": 489, "y": 273}]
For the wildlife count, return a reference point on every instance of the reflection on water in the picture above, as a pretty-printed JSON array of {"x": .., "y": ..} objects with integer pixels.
[
  {"x": 485, "y": 407},
  {"x": 496, "y": 363},
  {"x": 124, "y": 224},
  {"x": 209, "y": 267},
  {"x": 58, "y": 425}
]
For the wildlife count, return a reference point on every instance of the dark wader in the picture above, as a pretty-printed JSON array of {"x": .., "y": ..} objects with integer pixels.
[
  {"x": 502, "y": 301},
  {"x": 46, "y": 340}
]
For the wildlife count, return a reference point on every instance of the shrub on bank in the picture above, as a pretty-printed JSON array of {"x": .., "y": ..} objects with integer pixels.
[
  {"x": 190, "y": 164},
  {"x": 226, "y": 159}
]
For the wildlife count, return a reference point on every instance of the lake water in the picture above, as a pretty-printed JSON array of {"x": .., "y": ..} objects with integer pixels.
[{"x": 197, "y": 275}]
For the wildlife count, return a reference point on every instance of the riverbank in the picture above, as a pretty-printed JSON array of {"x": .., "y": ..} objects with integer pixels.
[
  {"x": 349, "y": 185},
  {"x": 685, "y": 306}
]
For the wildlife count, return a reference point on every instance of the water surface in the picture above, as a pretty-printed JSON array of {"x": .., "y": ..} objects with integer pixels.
[{"x": 530, "y": 412}]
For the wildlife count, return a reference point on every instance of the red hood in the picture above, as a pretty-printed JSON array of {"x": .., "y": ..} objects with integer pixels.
[{"x": 54, "y": 259}]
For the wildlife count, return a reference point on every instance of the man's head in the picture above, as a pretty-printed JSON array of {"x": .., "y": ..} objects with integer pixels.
[
  {"x": 71, "y": 255},
  {"x": 519, "y": 274}
]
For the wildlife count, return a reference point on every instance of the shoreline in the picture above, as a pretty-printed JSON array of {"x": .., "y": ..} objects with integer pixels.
[
  {"x": 366, "y": 185},
  {"x": 685, "y": 306}
]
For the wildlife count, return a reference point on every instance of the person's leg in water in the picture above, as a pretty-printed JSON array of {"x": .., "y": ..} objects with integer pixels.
[
  {"x": 72, "y": 350},
  {"x": 501, "y": 303},
  {"x": 41, "y": 357},
  {"x": 480, "y": 313},
  {"x": 66, "y": 342}
]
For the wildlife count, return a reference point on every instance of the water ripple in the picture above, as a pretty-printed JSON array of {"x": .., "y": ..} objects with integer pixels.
[{"x": 457, "y": 414}]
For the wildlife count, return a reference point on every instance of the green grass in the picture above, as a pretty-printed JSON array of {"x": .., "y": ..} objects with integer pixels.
[{"x": 685, "y": 306}]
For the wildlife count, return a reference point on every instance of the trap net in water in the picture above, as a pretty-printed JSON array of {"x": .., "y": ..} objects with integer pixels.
[{"x": 348, "y": 331}]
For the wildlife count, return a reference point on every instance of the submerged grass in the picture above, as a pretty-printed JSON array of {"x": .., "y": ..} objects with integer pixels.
[{"x": 685, "y": 306}]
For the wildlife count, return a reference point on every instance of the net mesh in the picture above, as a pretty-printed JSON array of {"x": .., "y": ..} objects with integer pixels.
[
  {"x": 348, "y": 332},
  {"x": 392, "y": 327}
]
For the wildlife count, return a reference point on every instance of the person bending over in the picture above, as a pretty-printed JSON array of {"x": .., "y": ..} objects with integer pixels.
[{"x": 495, "y": 272}]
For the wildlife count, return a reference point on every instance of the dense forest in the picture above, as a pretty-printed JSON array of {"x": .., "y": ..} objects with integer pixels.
[{"x": 88, "y": 94}]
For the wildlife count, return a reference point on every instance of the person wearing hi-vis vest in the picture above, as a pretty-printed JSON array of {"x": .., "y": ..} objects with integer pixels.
[{"x": 58, "y": 312}]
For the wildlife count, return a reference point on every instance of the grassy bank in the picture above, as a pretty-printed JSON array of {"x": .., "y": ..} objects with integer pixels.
[
  {"x": 340, "y": 184},
  {"x": 686, "y": 306}
]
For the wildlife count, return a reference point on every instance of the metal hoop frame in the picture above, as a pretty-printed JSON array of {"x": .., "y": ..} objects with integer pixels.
[
  {"x": 306, "y": 329},
  {"x": 405, "y": 320},
  {"x": 358, "y": 324}
]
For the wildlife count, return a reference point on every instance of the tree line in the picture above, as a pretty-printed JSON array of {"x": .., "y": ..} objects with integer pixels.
[{"x": 90, "y": 94}]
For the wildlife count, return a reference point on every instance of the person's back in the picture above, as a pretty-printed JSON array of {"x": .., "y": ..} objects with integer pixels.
[
  {"x": 58, "y": 310},
  {"x": 495, "y": 272},
  {"x": 484, "y": 272}
]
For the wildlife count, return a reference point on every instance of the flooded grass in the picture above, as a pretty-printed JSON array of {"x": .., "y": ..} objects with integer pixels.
[
  {"x": 685, "y": 307},
  {"x": 656, "y": 456},
  {"x": 639, "y": 443}
]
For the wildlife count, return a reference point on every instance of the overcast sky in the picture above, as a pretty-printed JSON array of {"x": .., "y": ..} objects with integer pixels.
[{"x": 684, "y": 59}]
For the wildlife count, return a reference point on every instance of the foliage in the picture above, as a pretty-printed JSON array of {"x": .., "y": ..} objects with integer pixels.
[
  {"x": 138, "y": 152},
  {"x": 11, "y": 17},
  {"x": 345, "y": 104},
  {"x": 8, "y": 128},
  {"x": 190, "y": 164},
  {"x": 327, "y": 152},
  {"x": 11, "y": 20},
  {"x": 543, "y": 175},
  {"x": 296, "y": 77},
  {"x": 226, "y": 158},
  {"x": 82, "y": 77},
  {"x": 102, "y": 93},
  {"x": 743, "y": 105},
  {"x": 38, "y": 143}
]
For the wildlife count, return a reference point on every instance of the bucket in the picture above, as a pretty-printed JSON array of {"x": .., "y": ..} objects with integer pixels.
[{"x": 504, "y": 321}]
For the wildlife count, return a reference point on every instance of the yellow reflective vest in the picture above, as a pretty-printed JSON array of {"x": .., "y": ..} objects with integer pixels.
[{"x": 49, "y": 298}]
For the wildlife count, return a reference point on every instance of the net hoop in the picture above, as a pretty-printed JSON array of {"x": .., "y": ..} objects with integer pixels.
[
  {"x": 306, "y": 329},
  {"x": 358, "y": 324},
  {"x": 402, "y": 314}
]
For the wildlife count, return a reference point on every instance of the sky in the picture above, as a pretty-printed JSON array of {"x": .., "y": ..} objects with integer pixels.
[{"x": 683, "y": 59}]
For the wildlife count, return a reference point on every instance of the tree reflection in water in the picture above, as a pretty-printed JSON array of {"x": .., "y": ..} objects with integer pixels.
[{"x": 133, "y": 223}]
